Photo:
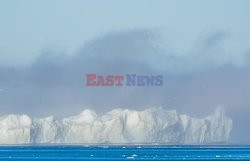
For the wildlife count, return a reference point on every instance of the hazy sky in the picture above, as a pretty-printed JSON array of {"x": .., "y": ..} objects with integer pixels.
[
  {"x": 30, "y": 27},
  {"x": 201, "y": 48}
]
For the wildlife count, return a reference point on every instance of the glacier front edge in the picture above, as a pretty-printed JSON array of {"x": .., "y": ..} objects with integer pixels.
[{"x": 154, "y": 125}]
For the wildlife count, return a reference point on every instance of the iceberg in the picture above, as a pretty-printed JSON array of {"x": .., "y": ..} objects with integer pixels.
[
  {"x": 15, "y": 129},
  {"x": 154, "y": 125}
]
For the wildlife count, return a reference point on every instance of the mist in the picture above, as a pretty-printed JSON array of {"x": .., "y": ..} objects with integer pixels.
[{"x": 195, "y": 82}]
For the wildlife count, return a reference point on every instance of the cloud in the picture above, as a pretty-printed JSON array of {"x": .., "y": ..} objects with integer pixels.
[{"x": 195, "y": 82}]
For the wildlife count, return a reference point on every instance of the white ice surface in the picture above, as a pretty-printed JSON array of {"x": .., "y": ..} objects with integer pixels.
[{"x": 154, "y": 125}]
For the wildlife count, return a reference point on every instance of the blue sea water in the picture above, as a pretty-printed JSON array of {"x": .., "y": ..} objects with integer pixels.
[{"x": 123, "y": 152}]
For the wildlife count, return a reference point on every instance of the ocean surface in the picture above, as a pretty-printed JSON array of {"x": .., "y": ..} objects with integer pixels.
[{"x": 123, "y": 152}]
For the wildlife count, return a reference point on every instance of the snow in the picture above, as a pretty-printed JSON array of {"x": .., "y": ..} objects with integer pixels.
[{"x": 154, "y": 125}]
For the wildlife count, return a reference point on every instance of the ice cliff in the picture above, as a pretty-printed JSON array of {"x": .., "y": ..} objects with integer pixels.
[{"x": 154, "y": 125}]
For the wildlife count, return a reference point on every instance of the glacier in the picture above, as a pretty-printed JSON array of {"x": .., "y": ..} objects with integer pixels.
[{"x": 153, "y": 125}]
